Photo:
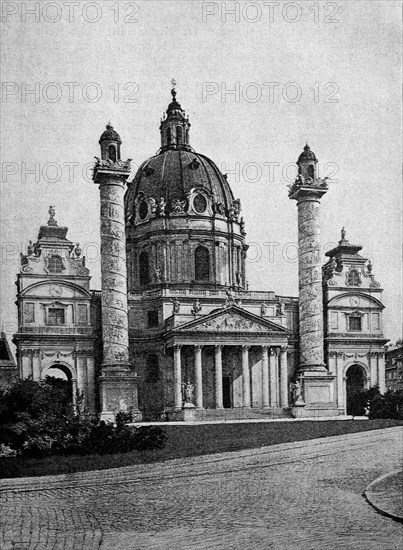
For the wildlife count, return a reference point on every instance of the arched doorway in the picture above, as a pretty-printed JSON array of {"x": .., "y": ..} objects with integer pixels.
[
  {"x": 356, "y": 382},
  {"x": 60, "y": 376}
]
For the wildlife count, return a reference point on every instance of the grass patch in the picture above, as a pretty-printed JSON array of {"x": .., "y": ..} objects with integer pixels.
[{"x": 193, "y": 440}]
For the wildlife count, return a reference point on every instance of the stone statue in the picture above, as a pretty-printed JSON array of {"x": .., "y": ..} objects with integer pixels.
[
  {"x": 30, "y": 249},
  {"x": 176, "y": 304},
  {"x": 369, "y": 266},
  {"x": 162, "y": 205},
  {"x": 196, "y": 306},
  {"x": 242, "y": 226},
  {"x": 296, "y": 390},
  {"x": 178, "y": 206},
  {"x": 263, "y": 308},
  {"x": 281, "y": 308},
  {"x": 238, "y": 278},
  {"x": 343, "y": 233},
  {"x": 52, "y": 213},
  {"x": 153, "y": 206},
  {"x": 219, "y": 208},
  {"x": 188, "y": 392}
]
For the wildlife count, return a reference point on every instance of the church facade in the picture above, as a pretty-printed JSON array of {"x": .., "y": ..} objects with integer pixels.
[{"x": 174, "y": 332}]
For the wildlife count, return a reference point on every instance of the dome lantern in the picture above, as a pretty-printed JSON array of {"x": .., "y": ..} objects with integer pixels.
[{"x": 175, "y": 126}]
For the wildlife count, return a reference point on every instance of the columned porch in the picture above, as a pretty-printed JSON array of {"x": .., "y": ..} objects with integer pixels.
[{"x": 231, "y": 375}]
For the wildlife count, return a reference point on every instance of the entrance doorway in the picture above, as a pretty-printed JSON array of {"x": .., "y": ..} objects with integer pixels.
[
  {"x": 356, "y": 381},
  {"x": 60, "y": 377},
  {"x": 227, "y": 392}
]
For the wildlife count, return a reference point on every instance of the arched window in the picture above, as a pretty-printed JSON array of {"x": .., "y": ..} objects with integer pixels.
[
  {"x": 353, "y": 278},
  {"x": 169, "y": 136},
  {"x": 202, "y": 264},
  {"x": 112, "y": 153},
  {"x": 144, "y": 268},
  {"x": 55, "y": 264},
  {"x": 179, "y": 134},
  {"x": 152, "y": 370},
  {"x": 311, "y": 171}
]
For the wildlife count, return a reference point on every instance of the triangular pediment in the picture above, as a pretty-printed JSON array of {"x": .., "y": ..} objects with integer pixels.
[{"x": 232, "y": 320}]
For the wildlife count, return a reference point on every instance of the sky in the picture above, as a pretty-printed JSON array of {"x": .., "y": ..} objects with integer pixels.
[{"x": 258, "y": 80}]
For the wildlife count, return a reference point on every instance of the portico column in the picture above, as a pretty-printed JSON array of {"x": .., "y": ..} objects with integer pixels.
[
  {"x": 265, "y": 377},
  {"x": 177, "y": 377},
  {"x": 198, "y": 377},
  {"x": 218, "y": 377},
  {"x": 273, "y": 379},
  {"x": 283, "y": 377},
  {"x": 246, "y": 376}
]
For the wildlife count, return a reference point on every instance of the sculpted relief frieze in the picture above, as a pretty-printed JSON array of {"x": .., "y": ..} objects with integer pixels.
[{"x": 231, "y": 323}]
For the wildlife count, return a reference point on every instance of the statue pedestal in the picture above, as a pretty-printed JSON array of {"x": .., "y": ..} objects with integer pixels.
[
  {"x": 189, "y": 412},
  {"x": 118, "y": 386}
]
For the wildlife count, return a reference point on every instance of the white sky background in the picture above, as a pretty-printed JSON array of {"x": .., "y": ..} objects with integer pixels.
[{"x": 358, "y": 50}]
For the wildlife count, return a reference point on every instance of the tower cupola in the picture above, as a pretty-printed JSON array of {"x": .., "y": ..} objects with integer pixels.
[
  {"x": 110, "y": 143},
  {"x": 307, "y": 162},
  {"x": 175, "y": 126}
]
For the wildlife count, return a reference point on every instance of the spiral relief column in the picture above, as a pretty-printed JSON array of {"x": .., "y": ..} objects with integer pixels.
[
  {"x": 118, "y": 381},
  {"x": 307, "y": 190}
]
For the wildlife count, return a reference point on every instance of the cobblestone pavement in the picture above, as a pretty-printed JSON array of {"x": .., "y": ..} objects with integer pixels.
[{"x": 301, "y": 496}]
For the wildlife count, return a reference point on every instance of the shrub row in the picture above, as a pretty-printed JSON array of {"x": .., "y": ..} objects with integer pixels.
[{"x": 37, "y": 419}]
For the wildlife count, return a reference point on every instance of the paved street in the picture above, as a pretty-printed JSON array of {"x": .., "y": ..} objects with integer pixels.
[{"x": 300, "y": 496}]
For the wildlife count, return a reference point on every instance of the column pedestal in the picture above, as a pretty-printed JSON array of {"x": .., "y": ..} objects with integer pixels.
[{"x": 118, "y": 388}]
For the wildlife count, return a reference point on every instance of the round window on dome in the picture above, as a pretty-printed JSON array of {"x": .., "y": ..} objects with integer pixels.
[
  {"x": 200, "y": 204},
  {"x": 143, "y": 210}
]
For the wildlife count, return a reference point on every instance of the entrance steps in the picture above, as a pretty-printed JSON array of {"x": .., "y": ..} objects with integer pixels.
[{"x": 241, "y": 414}]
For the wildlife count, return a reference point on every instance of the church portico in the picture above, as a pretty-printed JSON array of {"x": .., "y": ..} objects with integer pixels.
[{"x": 230, "y": 375}]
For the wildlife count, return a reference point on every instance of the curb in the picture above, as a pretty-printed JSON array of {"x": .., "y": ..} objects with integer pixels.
[{"x": 369, "y": 493}]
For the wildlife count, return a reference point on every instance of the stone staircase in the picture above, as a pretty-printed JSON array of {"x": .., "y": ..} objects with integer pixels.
[{"x": 225, "y": 415}]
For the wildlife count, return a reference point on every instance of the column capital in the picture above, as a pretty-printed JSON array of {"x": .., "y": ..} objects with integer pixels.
[
  {"x": 198, "y": 346},
  {"x": 284, "y": 347},
  {"x": 265, "y": 347},
  {"x": 273, "y": 351},
  {"x": 218, "y": 347},
  {"x": 177, "y": 347},
  {"x": 246, "y": 347}
]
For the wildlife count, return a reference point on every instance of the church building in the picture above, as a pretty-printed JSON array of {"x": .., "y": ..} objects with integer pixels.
[{"x": 174, "y": 333}]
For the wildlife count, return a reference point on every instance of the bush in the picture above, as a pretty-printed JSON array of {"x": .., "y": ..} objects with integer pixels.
[
  {"x": 37, "y": 419},
  {"x": 371, "y": 402},
  {"x": 7, "y": 452}
]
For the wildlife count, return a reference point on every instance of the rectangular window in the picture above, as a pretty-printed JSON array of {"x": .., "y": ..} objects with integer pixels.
[
  {"x": 354, "y": 323},
  {"x": 56, "y": 316},
  {"x": 82, "y": 315},
  {"x": 29, "y": 313},
  {"x": 153, "y": 318}
]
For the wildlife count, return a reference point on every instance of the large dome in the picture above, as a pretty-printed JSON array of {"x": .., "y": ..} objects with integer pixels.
[{"x": 172, "y": 175}]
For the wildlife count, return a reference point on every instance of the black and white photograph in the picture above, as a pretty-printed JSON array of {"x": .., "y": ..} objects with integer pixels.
[{"x": 201, "y": 275}]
